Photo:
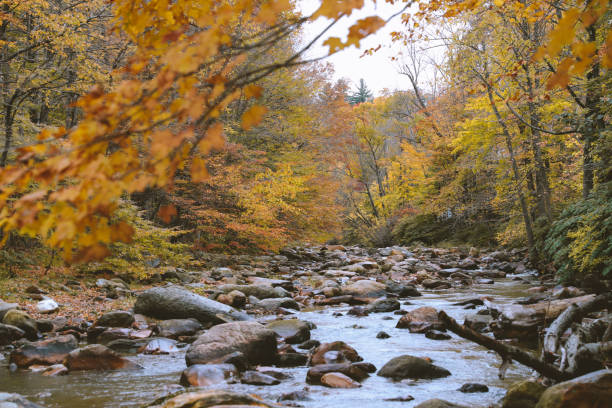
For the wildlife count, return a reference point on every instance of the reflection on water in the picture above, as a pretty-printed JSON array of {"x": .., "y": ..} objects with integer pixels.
[{"x": 466, "y": 361}]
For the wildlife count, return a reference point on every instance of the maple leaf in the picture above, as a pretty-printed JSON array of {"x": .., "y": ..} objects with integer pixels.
[
  {"x": 253, "y": 116},
  {"x": 166, "y": 213}
]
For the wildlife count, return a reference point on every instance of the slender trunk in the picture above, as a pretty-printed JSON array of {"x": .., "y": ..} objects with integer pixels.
[
  {"x": 594, "y": 123},
  {"x": 516, "y": 174},
  {"x": 8, "y": 135}
]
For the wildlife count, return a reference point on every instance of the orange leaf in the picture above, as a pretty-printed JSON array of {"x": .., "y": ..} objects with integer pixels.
[
  {"x": 122, "y": 231},
  {"x": 199, "y": 172},
  {"x": 92, "y": 253},
  {"x": 253, "y": 116},
  {"x": 166, "y": 213}
]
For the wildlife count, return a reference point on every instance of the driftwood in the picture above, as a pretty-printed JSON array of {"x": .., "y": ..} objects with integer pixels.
[
  {"x": 507, "y": 352},
  {"x": 574, "y": 313}
]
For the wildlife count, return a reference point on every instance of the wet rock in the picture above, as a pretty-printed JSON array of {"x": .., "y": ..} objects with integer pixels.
[
  {"x": 256, "y": 378},
  {"x": 338, "y": 380},
  {"x": 477, "y": 322},
  {"x": 174, "y": 328},
  {"x": 365, "y": 289},
  {"x": 127, "y": 345},
  {"x": 160, "y": 346},
  {"x": 407, "y": 398},
  {"x": 259, "y": 291},
  {"x": 473, "y": 387},
  {"x": 437, "y": 335},
  {"x": 524, "y": 394},
  {"x": 47, "y": 306},
  {"x": 291, "y": 360},
  {"x": 336, "y": 300},
  {"x": 273, "y": 304},
  {"x": 235, "y": 298},
  {"x": 567, "y": 292},
  {"x": 438, "y": 403},
  {"x": 358, "y": 311},
  {"x": 382, "y": 335},
  {"x": 484, "y": 281},
  {"x": 402, "y": 290},
  {"x": 209, "y": 399},
  {"x": 45, "y": 352},
  {"x": 9, "y": 333},
  {"x": 407, "y": 366},
  {"x": 118, "y": 318},
  {"x": 21, "y": 319},
  {"x": 295, "y": 396},
  {"x": 173, "y": 302},
  {"x": 294, "y": 331},
  {"x": 335, "y": 352},
  {"x": 383, "y": 306},
  {"x": 273, "y": 372},
  {"x": 15, "y": 401},
  {"x": 354, "y": 371},
  {"x": 45, "y": 325},
  {"x": 107, "y": 334},
  {"x": 204, "y": 375},
  {"x": 55, "y": 370},
  {"x": 590, "y": 390},
  {"x": 435, "y": 284},
  {"x": 257, "y": 343},
  {"x": 421, "y": 320},
  {"x": 97, "y": 357}
]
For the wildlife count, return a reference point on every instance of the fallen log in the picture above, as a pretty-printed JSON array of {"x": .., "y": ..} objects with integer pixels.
[
  {"x": 506, "y": 352},
  {"x": 574, "y": 313}
]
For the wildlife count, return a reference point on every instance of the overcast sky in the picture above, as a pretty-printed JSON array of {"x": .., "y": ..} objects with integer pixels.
[{"x": 377, "y": 70}]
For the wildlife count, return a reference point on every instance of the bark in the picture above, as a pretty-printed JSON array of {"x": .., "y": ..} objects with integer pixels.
[{"x": 506, "y": 352}]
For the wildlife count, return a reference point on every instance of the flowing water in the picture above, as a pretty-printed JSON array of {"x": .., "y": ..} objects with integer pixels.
[{"x": 466, "y": 361}]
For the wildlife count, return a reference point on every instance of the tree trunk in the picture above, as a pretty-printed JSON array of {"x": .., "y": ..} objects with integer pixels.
[{"x": 8, "y": 135}]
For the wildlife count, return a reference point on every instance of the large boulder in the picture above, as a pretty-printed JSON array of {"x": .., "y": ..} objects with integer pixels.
[
  {"x": 294, "y": 331},
  {"x": 253, "y": 340},
  {"x": 97, "y": 357},
  {"x": 523, "y": 394},
  {"x": 21, "y": 319},
  {"x": 45, "y": 352},
  {"x": 593, "y": 390},
  {"x": 173, "y": 302},
  {"x": 211, "y": 398},
  {"x": 365, "y": 288},
  {"x": 407, "y": 366},
  {"x": 15, "y": 401},
  {"x": 421, "y": 320},
  {"x": 259, "y": 291}
]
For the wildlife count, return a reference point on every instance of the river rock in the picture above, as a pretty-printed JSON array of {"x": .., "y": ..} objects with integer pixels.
[
  {"x": 160, "y": 346},
  {"x": 235, "y": 298},
  {"x": 473, "y": 387},
  {"x": 407, "y": 366},
  {"x": 402, "y": 290},
  {"x": 257, "y": 378},
  {"x": 438, "y": 403},
  {"x": 205, "y": 375},
  {"x": 335, "y": 352},
  {"x": 590, "y": 390},
  {"x": 15, "y": 401},
  {"x": 476, "y": 322},
  {"x": 294, "y": 331},
  {"x": 435, "y": 284},
  {"x": 291, "y": 359},
  {"x": 252, "y": 339},
  {"x": 9, "y": 333},
  {"x": 173, "y": 302},
  {"x": 273, "y": 304},
  {"x": 97, "y": 357},
  {"x": 383, "y": 305},
  {"x": 338, "y": 380},
  {"x": 118, "y": 318},
  {"x": 55, "y": 370},
  {"x": 5, "y": 307},
  {"x": 21, "y": 319},
  {"x": 174, "y": 328},
  {"x": 421, "y": 320},
  {"x": 437, "y": 335},
  {"x": 211, "y": 398},
  {"x": 365, "y": 288},
  {"x": 47, "y": 306},
  {"x": 45, "y": 352},
  {"x": 259, "y": 291},
  {"x": 382, "y": 335},
  {"x": 523, "y": 394},
  {"x": 355, "y": 371}
]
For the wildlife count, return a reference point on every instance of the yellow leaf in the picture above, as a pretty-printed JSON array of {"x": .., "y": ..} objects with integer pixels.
[
  {"x": 199, "y": 172},
  {"x": 253, "y": 116},
  {"x": 253, "y": 91}
]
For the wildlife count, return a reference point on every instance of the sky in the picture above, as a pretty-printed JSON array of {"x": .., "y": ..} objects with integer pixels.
[{"x": 378, "y": 71}]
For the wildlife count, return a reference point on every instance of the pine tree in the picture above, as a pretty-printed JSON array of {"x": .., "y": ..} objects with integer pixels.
[{"x": 361, "y": 95}]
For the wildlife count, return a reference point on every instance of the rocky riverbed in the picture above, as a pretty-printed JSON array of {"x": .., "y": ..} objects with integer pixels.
[{"x": 314, "y": 327}]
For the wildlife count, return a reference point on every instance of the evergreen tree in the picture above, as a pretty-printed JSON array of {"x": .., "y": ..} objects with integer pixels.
[{"x": 361, "y": 95}]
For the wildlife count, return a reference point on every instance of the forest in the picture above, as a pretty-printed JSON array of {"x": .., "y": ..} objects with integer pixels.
[{"x": 175, "y": 175}]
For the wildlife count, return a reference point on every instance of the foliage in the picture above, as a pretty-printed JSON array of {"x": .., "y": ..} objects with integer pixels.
[{"x": 580, "y": 242}]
